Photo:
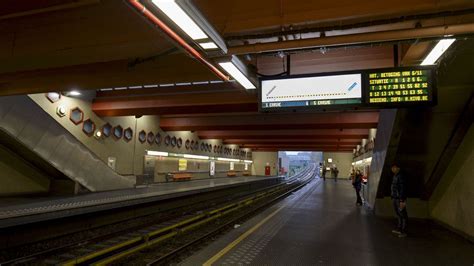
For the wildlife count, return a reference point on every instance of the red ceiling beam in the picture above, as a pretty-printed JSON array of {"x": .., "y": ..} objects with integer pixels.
[
  {"x": 317, "y": 134},
  {"x": 290, "y": 141},
  {"x": 275, "y": 149},
  {"x": 335, "y": 120},
  {"x": 282, "y": 145},
  {"x": 244, "y": 137},
  {"x": 181, "y": 101}
]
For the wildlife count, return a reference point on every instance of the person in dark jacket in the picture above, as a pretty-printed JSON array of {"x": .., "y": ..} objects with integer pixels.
[
  {"x": 399, "y": 198},
  {"x": 336, "y": 172},
  {"x": 357, "y": 184}
]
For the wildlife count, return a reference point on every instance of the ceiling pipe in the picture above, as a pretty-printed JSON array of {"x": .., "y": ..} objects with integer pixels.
[
  {"x": 294, "y": 30},
  {"x": 170, "y": 33},
  {"x": 355, "y": 39}
]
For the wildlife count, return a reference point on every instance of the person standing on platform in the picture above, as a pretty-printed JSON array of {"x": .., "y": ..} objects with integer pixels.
[
  {"x": 357, "y": 184},
  {"x": 336, "y": 172},
  {"x": 399, "y": 198},
  {"x": 324, "y": 173}
]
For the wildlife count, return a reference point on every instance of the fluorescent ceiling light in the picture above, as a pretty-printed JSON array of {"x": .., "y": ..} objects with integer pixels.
[
  {"x": 156, "y": 153},
  {"x": 180, "y": 18},
  {"x": 192, "y": 156},
  {"x": 248, "y": 161},
  {"x": 227, "y": 159},
  {"x": 74, "y": 93},
  {"x": 232, "y": 70},
  {"x": 208, "y": 45},
  {"x": 437, "y": 51}
]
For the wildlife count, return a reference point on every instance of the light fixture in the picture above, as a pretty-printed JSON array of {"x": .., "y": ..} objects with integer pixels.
[
  {"x": 74, "y": 93},
  {"x": 61, "y": 110},
  {"x": 98, "y": 134},
  {"x": 188, "y": 18},
  {"x": 437, "y": 51},
  {"x": 227, "y": 159},
  {"x": 156, "y": 153},
  {"x": 329, "y": 160},
  {"x": 248, "y": 161},
  {"x": 235, "y": 68},
  {"x": 208, "y": 45},
  {"x": 192, "y": 156},
  {"x": 178, "y": 16}
]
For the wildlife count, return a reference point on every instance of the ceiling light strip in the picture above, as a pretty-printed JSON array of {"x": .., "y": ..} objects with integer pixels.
[
  {"x": 441, "y": 47},
  {"x": 150, "y": 16}
]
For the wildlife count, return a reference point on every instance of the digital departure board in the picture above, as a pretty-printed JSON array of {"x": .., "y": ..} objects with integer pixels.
[
  {"x": 400, "y": 86},
  {"x": 310, "y": 91},
  {"x": 376, "y": 88}
]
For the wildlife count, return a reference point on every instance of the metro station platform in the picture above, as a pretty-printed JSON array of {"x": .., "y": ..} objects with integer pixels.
[
  {"x": 20, "y": 211},
  {"x": 321, "y": 225}
]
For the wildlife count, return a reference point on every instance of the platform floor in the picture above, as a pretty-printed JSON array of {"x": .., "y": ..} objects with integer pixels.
[
  {"x": 321, "y": 225},
  {"x": 22, "y": 207}
]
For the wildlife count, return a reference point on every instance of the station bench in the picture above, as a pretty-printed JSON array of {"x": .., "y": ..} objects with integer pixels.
[
  {"x": 231, "y": 174},
  {"x": 181, "y": 176},
  {"x": 246, "y": 173}
]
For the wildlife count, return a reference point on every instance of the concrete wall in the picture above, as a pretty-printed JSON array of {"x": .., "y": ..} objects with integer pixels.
[
  {"x": 260, "y": 160},
  {"x": 18, "y": 177},
  {"x": 129, "y": 155},
  {"x": 453, "y": 200},
  {"x": 385, "y": 145},
  {"x": 342, "y": 160}
]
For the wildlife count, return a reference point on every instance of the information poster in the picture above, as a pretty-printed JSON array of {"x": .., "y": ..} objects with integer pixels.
[
  {"x": 231, "y": 166},
  {"x": 212, "y": 168},
  {"x": 182, "y": 165}
]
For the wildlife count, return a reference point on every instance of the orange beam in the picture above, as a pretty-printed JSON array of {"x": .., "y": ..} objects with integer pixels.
[
  {"x": 221, "y": 98},
  {"x": 316, "y": 134},
  {"x": 271, "y": 122},
  {"x": 290, "y": 141}
]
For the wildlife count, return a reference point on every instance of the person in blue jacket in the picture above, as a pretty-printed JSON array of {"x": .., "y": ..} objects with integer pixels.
[{"x": 399, "y": 200}]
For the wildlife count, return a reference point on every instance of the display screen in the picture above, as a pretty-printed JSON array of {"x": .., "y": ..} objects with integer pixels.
[
  {"x": 379, "y": 88},
  {"x": 311, "y": 91},
  {"x": 399, "y": 86}
]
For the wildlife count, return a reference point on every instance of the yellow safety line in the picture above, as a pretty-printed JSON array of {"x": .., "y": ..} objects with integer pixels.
[
  {"x": 238, "y": 240},
  {"x": 246, "y": 201},
  {"x": 133, "y": 250}
]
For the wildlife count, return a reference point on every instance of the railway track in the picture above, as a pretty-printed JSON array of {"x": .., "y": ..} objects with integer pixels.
[{"x": 174, "y": 235}]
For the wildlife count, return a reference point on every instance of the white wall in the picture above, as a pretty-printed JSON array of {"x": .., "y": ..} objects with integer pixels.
[
  {"x": 342, "y": 160},
  {"x": 260, "y": 160}
]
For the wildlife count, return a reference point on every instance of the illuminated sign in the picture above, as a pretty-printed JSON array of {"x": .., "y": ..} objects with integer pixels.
[
  {"x": 378, "y": 88},
  {"x": 399, "y": 86},
  {"x": 212, "y": 168},
  {"x": 310, "y": 91}
]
